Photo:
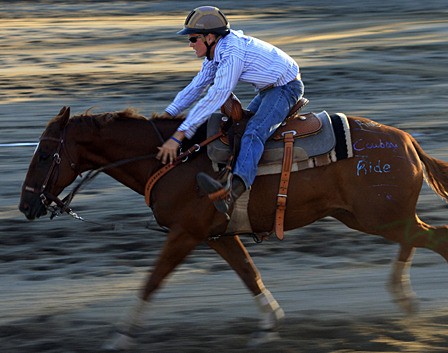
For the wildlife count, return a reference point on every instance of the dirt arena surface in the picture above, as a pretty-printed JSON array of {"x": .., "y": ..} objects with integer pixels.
[{"x": 65, "y": 284}]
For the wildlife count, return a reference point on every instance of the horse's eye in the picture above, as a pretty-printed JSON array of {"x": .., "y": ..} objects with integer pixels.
[{"x": 43, "y": 156}]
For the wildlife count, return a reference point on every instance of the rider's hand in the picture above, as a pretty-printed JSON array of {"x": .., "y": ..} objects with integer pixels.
[{"x": 168, "y": 151}]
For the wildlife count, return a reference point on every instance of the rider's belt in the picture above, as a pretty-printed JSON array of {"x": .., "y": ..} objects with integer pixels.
[{"x": 272, "y": 85}]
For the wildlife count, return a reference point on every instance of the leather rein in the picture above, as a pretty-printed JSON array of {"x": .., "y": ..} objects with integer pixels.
[
  {"x": 62, "y": 206},
  {"x": 181, "y": 158}
]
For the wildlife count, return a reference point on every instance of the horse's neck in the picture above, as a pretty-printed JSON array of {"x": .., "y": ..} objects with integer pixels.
[{"x": 120, "y": 141}]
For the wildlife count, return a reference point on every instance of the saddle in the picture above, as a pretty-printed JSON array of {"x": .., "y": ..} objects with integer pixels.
[
  {"x": 294, "y": 126},
  {"x": 302, "y": 125}
]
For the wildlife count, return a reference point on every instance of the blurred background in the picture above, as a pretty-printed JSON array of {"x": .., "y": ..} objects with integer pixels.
[{"x": 63, "y": 278}]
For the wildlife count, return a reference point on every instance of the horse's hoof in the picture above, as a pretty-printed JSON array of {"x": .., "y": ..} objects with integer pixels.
[
  {"x": 408, "y": 305},
  {"x": 405, "y": 299},
  {"x": 279, "y": 315},
  {"x": 263, "y": 337},
  {"x": 272, "y": 320},
  {"x": 119, "y": 342}
]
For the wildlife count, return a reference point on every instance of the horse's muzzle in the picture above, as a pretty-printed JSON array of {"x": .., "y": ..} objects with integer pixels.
[{"x": 32, "y": 209}]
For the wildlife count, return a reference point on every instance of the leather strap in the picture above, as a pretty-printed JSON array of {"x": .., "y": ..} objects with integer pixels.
[
  {"x": 221, "y": 194},
  {"x": 180, "y": 158},
  {"x": 232, "y": 108},
  {"x": 284, "y": 182}
]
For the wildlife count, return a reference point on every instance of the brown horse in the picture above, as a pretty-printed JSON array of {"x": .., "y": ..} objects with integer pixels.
[{"x": 387, "y": 170}]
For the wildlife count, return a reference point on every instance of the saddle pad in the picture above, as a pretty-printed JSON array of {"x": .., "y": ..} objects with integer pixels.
[
  {"x": 304, "y": 148},
  {"x": 239, "y": 220}
]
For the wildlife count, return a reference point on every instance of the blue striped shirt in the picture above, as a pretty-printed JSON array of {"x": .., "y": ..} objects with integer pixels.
[{"x": 237, "y": 58}]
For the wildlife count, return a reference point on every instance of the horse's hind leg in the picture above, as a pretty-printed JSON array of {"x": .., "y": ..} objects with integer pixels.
[
  {"x": 412, "y": 234},
  {"x": 399, "y": 284},
  {"x": 233, "y": 251}
]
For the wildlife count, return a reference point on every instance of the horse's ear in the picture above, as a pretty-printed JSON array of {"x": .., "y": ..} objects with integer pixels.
[{"x": 63, "y": 116}]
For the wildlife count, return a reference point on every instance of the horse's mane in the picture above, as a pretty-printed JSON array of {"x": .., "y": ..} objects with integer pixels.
[
  {"x": 157, "y": 116},
  {"x": 129, "y": 113},
  {"x": 107, "y": 117},
  {"x": 103, "y": 119}
]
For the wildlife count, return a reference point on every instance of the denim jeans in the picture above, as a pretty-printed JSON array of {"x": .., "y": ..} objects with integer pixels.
[{"x": 270, "y": 107}]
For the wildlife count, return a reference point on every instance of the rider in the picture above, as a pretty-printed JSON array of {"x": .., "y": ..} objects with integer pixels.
[{"x": 230, "y": 57}]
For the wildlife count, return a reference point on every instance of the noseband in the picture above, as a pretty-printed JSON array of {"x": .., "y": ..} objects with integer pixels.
[{"x": 46, "y": 197}]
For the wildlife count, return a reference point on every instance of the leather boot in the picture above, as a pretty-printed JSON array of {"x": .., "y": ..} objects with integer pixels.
[{"x": 223, "y": 196}]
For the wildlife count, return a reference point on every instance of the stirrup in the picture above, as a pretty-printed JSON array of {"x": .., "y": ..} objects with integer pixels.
[{"x": 216, "y": 192}]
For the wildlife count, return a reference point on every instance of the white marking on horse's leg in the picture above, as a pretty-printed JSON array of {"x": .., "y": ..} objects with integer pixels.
[
  {"x": 271, "y": 314},
  {"x": 270, "y": 310},
  {"x": 135, "y": 316},
  {"x": 400, "y": 287},
  {"x": 119, "y": 342},
  {"x": 123, "y": 339}
]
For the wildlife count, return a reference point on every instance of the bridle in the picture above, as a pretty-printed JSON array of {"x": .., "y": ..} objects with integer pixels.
[
  {"x": 62, "y": 206},
  {"x": 46, "y": 197}
]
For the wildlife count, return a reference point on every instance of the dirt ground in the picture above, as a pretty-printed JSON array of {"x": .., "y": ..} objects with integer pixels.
[{"x": 65, "y": 283}]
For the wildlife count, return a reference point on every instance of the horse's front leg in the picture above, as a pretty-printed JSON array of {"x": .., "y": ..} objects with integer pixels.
[
  {"x": 234, "y": 252},
  {"x": 399, "y": 282},
  {"x": 177, "y": 246}
]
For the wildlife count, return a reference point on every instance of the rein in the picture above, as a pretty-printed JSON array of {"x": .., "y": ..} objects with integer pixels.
[
  {"x": 62, "y": 206},
  {"x": 182, "y": 158}
]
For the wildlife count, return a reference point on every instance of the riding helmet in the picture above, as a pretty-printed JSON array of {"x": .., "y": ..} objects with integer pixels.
[{"x": 204, "y": 20}]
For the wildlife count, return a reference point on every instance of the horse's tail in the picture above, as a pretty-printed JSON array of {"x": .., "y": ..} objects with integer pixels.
[{"x": 436, "y": 171}]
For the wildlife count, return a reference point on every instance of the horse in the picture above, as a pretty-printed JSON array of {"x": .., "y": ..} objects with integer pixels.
[{"x": 388, "y": 168}]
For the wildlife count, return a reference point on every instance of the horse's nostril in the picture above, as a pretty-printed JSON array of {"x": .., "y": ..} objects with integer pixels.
[{"x": 23, "y": 207}]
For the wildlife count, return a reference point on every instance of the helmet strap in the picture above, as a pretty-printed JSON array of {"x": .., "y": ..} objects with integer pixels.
[{"x": 209, "y": 48}]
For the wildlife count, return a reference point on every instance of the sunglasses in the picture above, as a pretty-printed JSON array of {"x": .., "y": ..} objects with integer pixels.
[{"x": 193, "y": 39}]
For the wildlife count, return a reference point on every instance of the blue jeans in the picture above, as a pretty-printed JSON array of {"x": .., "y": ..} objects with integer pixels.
[{"x": 270, "y": 107}]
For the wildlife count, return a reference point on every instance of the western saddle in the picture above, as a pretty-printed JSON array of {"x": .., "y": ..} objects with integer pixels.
[{"x": 293, "y": 126}]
